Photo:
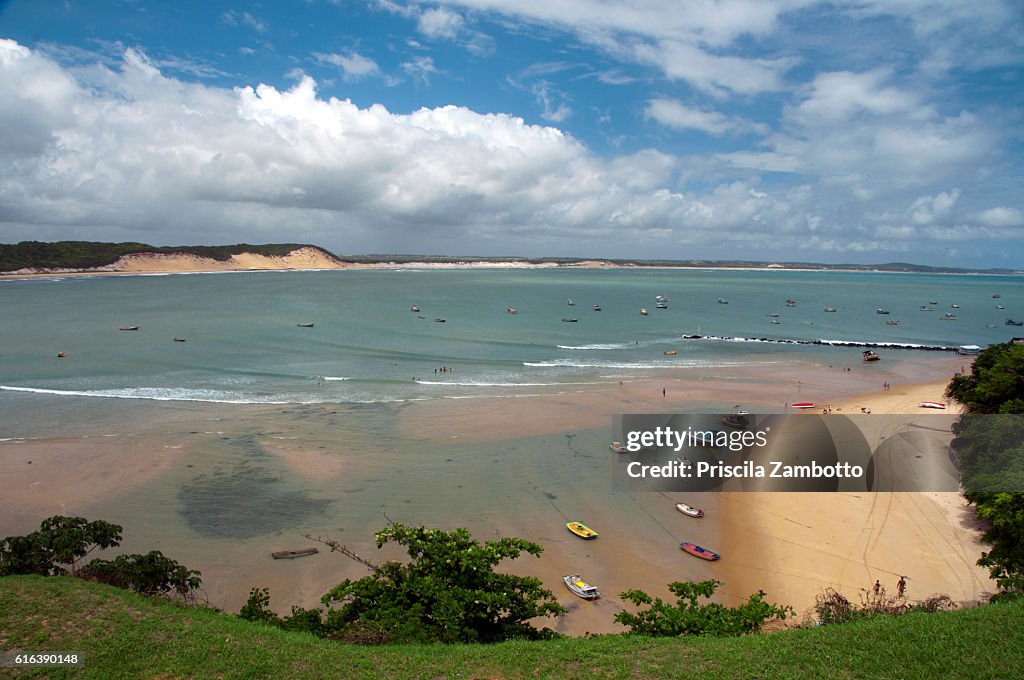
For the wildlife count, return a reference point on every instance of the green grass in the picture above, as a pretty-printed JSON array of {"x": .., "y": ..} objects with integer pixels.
[{"x": 124, "y": 635}]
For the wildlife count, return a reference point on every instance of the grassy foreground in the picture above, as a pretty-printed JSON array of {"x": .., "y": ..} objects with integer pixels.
[{"x": 124, "y": 635}]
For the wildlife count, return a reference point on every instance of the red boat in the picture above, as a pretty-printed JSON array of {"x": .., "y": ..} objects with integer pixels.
[{"x": 700, "y": 552}]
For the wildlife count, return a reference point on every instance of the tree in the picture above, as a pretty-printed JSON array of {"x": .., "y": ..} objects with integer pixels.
[
  {"x": 991, "y": 458},
  {"x": 57, "y": 546},
  {"x": 149, "y": 574},
  {"x": 449, "y": 592},
  {"x": 687, "y": 617}
]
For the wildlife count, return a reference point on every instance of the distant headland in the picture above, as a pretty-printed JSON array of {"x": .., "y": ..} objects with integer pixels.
[{"x": 35, "y": 258}]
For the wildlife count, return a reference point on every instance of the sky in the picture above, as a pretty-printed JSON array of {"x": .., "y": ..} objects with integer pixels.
[{"x": 850, "y": 131}]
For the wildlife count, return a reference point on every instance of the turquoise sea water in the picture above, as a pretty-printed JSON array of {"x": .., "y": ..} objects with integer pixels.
[{"x": 243, "y": 344}]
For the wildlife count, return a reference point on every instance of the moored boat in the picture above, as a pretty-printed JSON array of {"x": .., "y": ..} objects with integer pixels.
[
  {"x": 414, "y": 308},
  {"x": 870, "y": 356},
  {"x": 803, "y": 404},
  {"x": 723, "y": 301},
  {"x": 1011, "y": 322},
  {"x": 570, "y": 320},
  {"x": 700, "y": 552},
  {"x": 292, "y": 554},
  {"x": 617, "y": 447},
  {"x": 881, "y": 311},
  {"x": 689, "y": 510},
  {"x": 671, "y": 352},
  {"x": 661, "y": 305},
  {"x": 512, "y": 310},
  {"x": 643, "y": 311},
  {"x": 597, "y": 308},
  {"x": 304, "y": 325},
  {"x": 580, "y": 587},
  {"x": 128, "y": 328},
  {"x": 892, "y": 323},
  {"x": 581, "y": 530},
  {"x": 932, "y": 404},
  {"x": 830, "y": 309}
]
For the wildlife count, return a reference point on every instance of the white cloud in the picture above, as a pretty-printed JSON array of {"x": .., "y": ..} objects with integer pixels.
[
  {"x": 440, "y": 23},
  {"x": 420, "y": 68},
  {"x": 928, "y": 210},
  {"x": 1001, "y": 216},
  {"x": 354, "y": 66},
  {"x": 676, "y": 115},
  {"x": 245, "y": 19}
]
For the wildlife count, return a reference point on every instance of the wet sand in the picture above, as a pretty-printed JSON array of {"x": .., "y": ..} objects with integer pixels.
[{"x": 221, "y": 487}]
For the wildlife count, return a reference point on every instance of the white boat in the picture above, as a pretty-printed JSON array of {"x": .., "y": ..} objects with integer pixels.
[
  {"x": 617, "y": 447},
  {"x": 689, "y": 510},
  {"x": 414, "y": 308},
  {"x": 932, "y": 404},
  {"x": 643, "y": 311},
  {"x": 580, "y": 587},
  {"x": 512, "y": 310},
  {"x": 661, "y": 298},
  {"x": 661, "y": 305},
  {"x": 723, "y": 301},
  {"x": 570, "y": 302},
  {"x": 881, "y": 311},
  {"x": 830, "y": 309}
]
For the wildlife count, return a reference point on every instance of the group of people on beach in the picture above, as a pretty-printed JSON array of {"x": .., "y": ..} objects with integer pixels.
[{"x": 901, "y": 587}]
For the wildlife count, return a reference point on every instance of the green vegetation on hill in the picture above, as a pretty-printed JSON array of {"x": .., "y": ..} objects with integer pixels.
[
  {"x": 990, "y": 448},
  {"x": 124, "y": 635},
  {"x": 90, "y": 254}
]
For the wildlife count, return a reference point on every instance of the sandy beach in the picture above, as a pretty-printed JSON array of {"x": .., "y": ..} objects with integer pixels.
[{"x": 162, "y": 481}]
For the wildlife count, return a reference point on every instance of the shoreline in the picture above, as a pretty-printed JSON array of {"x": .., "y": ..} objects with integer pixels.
[
  {"x": 310, "y": 259},
  {"x": 517, "y": 484}
]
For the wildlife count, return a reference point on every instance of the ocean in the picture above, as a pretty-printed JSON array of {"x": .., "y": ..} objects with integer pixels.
[{"x": 243, "y": 343}]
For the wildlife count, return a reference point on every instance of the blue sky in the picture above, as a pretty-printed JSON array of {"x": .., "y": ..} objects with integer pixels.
[{"x": 848, "y": 131}]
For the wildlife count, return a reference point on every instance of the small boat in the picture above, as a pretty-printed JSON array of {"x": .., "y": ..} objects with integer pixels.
[
  {"x": 802, "y": 404},
  {"x": 580, "y": 587},
  {"x": 955, "y": 306},
  {"x": 774, "y": 316},
  {"x": 512, "y": 310},
  {"x": 179, "y": 339},
  {"x": 739, "y": 420},
  {"x": 440, "y": 320},
  {"x": 1000, "y": 306},
  {"x": 996, "y": 296},
  {"x": 661, "y": 305},
  {"x": 881, "y": 311},
  {"x": 570, "y": 320},
  {"x": 933, "y": 302},
  {"x": 581, "y": 530},
  {"x": 790, "y": 302},
  {"x": 61, "y": 355},
  {"x": 671, "y": 352},
  {"x": 892, "y": 323},
  {"x": 304, "y": 325},
  {"x": 932, "y": 404},
  {"x": 292, "y": 554},
  {"x": 661, "y": 298},
  {"x": 723, "y": 301},
  {"x": 570, "y": 302},
  {"x": 128, "y": 328},
  {"x": 643, "y": 311},
  {"x": 700, "y": 552},
  {"x": 689, "y": 510},
  {"x": 1011, "y": 322},
  {"x": 776, "y": 321},
  {"x": 617, "y": 447},
  {"x": 597, "y": 308},
  {"x": 948, "y": 316},
  {"x": 870, "y": 356},
  {"x": 830, "y": 309},
  {"x": 414, "y": 308},
  {"x": 927, "y": 309}
]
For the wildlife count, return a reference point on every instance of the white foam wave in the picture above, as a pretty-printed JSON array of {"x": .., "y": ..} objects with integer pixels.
[
  {"x": 484, "y": 383},
  {"x": 600, "y": 345}
]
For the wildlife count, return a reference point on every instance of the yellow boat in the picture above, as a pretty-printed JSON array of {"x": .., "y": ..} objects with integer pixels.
[{"x": 582, "y": 530}]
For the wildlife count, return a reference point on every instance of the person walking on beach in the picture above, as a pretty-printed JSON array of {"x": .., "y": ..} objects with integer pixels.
[
  {"x": 901, "y": 586},
  {"x": 878, "y": 586}
]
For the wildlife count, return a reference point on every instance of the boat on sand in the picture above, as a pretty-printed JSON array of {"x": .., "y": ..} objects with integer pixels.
[
  {"x": 700, "y": 552},
  {"x": 580, "y": 587},
  {"x": 689, "y": 510},
  {"x": 581, "y": 530}
]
